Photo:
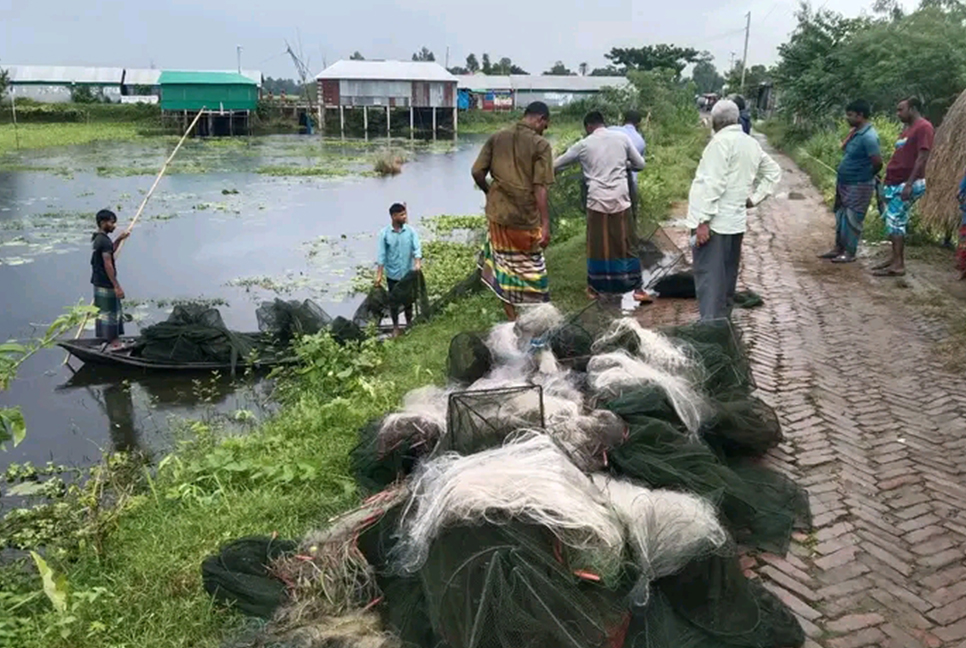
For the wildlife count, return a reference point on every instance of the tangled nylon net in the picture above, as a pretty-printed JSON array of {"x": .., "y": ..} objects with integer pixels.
[{"x": 580, "y": 482}]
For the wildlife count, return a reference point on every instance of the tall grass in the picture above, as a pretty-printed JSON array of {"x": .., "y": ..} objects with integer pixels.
[{"x": 818, "y": 152}]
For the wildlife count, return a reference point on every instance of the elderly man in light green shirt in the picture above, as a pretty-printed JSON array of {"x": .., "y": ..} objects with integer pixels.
[{"x": 734, "y": 175}]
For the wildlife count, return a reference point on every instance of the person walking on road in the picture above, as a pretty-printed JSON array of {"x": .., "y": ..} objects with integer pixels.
[
  {"x": 605, "y": 156},
  {"x": 520, "y": 162},
  {"x": 855, "y": 182},
  {"x": 734, "y": 175},
  {"x": 905, "y": 182}
]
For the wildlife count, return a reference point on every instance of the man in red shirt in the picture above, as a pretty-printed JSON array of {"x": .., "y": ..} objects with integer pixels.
[{"x": 905, "y": 181}]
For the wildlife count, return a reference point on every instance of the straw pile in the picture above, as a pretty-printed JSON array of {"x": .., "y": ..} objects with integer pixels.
[{"x": 947, "y": 162}]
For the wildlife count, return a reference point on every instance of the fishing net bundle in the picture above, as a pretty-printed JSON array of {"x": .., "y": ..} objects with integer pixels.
[
  {"x": 195, "y": 333},
  {"x": 665, "y": 529},
  {"x": 469, "y": 358},
  {"x": 653, "y": 347},
  {"x": 288, "y": 320},
  {"x": 536, "y": 520},
  {"x": 611, "y": 374},
  {"x": 410, "y": 291},
  {"x": 529, "y": 480},
  {"x": 328, "y": 575},
  {"x": 709, "y": 604}
]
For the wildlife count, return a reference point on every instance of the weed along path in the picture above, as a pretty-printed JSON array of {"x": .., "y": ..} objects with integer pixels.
[{"x": 875, "y": 429}]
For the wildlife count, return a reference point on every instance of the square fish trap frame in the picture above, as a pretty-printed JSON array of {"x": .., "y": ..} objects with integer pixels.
[{"x": 477, "y": 420}]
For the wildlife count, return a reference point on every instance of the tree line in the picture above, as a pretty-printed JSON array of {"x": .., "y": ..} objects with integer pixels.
[{"x": 883, "y": 58}]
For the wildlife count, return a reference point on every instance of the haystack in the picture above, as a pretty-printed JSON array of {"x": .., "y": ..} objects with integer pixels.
[{"x": 947, "y": 163}]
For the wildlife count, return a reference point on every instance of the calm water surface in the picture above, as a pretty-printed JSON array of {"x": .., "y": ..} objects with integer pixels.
[{"x": 280, "y": 235}]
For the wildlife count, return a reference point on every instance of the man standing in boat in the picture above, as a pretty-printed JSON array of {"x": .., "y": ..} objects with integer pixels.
[{"x": 108, "y": 293}]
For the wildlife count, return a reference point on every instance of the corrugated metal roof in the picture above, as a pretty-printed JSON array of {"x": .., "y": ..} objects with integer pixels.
[
  {"x": 185, "y": 77},
  {"x": 565, "y": 83},
  {"x": 543, "y": 83},
  {"x": 483, "y": 82},
  {"x": 141, "y": 76},
  {"x": 60, "y": 74},
  {"x": 386, "y": 71},
  {"x": 106, "y": 76}
]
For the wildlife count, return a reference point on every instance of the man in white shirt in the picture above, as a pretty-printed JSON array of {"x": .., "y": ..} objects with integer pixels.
[
  {"x": 605, "y": 157},
  {"x": 734, "y": 175}
]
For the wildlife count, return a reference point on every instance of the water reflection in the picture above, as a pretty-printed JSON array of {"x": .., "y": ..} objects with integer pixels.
[
  {"x": 119, "y": 407},
  {"x": 219, "y": 227}
]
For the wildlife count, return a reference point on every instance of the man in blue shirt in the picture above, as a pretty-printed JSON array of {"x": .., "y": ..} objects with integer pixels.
[
  {"x": 399, "y": 254},
  {"x": 855, "y": 186},
  {"x": 632, "y": 128}
]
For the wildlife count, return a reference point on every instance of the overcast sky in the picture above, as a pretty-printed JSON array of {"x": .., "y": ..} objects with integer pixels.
[{"x": 186, "y": 34}]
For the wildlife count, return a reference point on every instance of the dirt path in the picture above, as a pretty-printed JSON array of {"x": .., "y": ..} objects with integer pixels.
[{"x": 875, "y": 428}]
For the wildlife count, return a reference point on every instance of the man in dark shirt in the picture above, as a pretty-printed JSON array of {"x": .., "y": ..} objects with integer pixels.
[
  {"x": 107, "y": 291},
  {"x": 855, "y": 181},
  {"x": 905, "y": 182},
  {"x": 744, "y": 115},
  {"x": 520, "y": 161}
]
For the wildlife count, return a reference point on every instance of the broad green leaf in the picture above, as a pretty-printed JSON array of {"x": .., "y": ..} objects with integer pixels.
[
  {"x": 13, "y": 347},
  {"x": 55, "y": 585},
  {"x": 25, "y": 489},
  {"x": 13, "y": 425}
]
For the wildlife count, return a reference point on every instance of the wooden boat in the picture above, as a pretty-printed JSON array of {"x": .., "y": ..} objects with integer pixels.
[{"x": 92, "y": 351}]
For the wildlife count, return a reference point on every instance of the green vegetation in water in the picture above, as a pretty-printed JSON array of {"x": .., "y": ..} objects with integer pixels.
[
  {"x": 33, "y": 136},
  {"x": 447, "y": 224},
  {"x": 214, "y": 489},
  {"x": 295, "y": 170}
]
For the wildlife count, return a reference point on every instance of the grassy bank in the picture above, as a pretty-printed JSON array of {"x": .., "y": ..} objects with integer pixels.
[{"x": 134, "y": 572}]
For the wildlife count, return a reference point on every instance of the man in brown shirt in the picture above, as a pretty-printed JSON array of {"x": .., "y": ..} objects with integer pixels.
[{"x": 520, "y": 162}]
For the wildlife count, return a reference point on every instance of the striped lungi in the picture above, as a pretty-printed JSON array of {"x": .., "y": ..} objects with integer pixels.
[
  {"x": 512, "y": 265},
  {"x": 109, "y": 324},
  {"x": 851, "y": 204},
  {"x": 612, "y": 263}
]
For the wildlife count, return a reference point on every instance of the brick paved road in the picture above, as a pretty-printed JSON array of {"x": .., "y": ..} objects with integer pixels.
[{"x": 874, "y": 428}]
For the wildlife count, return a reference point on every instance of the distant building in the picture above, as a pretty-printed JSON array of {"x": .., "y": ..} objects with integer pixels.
[
  {"x": 491, "y": 92},
  {"x": 486, "y": 92},
  {"x": 52, "y": 83},
  {"x": 227, "y": 98},
  {"x": 426, "y": 89}
]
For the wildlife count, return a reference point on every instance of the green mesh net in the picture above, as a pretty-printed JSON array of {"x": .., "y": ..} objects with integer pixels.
[
  {"x": 497, "y": 581},
  {"x": 469, "y": 358}
]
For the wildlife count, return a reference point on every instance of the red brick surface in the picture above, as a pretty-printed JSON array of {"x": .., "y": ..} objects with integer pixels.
[{"x": 874, "y": 428}]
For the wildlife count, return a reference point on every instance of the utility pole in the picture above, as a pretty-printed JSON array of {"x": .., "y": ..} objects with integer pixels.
[
  {"x": 238, "y": 49},
  {"x": 744, "y": 59},
  {"x": 447, "y": 58}
]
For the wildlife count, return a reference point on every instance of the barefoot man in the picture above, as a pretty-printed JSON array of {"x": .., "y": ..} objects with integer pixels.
[
  {"x": 108, "y": 293},
  {"x": 520, "y": 162}
]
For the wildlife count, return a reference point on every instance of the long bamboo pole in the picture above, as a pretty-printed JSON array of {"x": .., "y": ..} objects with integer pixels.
[{"x": 144, "y": 202}]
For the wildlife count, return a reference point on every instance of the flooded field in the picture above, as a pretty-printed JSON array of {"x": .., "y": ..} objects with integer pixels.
[{"x": 235, "y": 222}]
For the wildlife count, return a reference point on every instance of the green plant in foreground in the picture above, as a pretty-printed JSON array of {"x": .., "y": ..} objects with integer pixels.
[{"x": 13, "y": 355}]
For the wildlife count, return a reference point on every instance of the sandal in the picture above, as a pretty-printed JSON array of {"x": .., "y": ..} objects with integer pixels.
[
  {"x": 882, "y": 266},
  {"x": 831, "y": 254},
  {"x": 642, "y": 297},
  {"x": 844, "y": 258},
  {"x": 888, "y": 272}
]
